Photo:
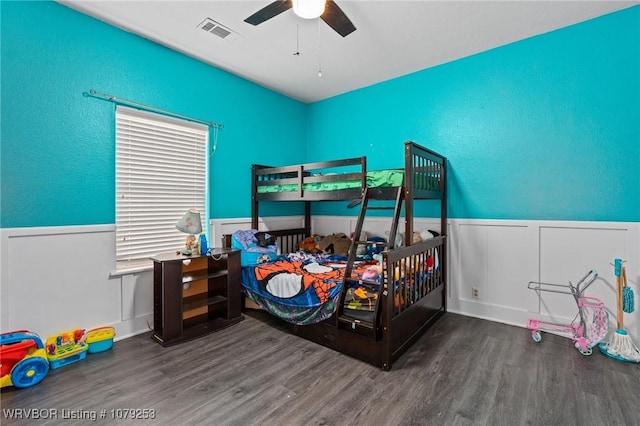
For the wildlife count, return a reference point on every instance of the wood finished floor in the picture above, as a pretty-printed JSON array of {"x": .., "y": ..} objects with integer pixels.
[{"x": 463, "y": 371}]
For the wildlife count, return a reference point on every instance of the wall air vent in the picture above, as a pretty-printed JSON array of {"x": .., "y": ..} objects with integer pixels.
[{"x": 217, "y": 29}]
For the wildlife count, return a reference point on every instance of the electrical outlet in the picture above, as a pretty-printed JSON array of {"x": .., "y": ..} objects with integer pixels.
[{"x": 475, "y": 292}]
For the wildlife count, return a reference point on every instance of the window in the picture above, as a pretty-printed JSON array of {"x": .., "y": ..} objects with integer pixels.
[{"x": 161, "y": 165}]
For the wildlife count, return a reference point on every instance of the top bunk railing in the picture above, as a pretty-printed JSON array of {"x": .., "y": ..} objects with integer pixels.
[
  {"x": 295, "y": 182},
  {"x": 425, "y": 172},
  {"x": 424, "y": 178}
]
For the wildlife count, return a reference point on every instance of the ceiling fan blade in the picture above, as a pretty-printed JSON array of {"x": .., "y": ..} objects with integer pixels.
[
  {"x": 269, "y": 11},
  {"x": 336, "y": 19}
]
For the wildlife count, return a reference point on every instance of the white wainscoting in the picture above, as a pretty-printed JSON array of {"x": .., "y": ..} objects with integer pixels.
[
  {"x": 55, "y": 279},
  {"x": 220, "y": 227},
  {"x": 500, "y": 257},
  {"x": 58, "y": 278}
]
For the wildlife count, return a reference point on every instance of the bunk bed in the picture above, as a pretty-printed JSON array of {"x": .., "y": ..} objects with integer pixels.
[{"x": 409, "y": 294}]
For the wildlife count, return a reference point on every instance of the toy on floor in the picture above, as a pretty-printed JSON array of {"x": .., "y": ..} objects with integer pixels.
[
  {"x": 628, "y": 305},
  {"x": 66, "y": 348},
  {"x": 99, "y": 339},
  {"x": 23, "y": 359},
  {"x": 620, "y": 345},
  {"x": 589, "y": 326}
]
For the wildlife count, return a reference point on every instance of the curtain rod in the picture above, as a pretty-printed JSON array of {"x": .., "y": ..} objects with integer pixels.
[{"x": 95, "y": 94}]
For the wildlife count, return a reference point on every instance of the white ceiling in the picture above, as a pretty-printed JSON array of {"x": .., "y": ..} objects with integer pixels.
[{"x": 392, "y": 38}]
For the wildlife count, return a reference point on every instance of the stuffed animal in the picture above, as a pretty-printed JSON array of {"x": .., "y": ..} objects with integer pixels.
[
  {"x": 338, "y": 244},
  {"x": 309, "y": 243},
  {"x": 372, "y": 272},
  {"x": 404, "y": 269},
  {"x": 429, "y": 264},
  {"x": 428, "y": 234}
]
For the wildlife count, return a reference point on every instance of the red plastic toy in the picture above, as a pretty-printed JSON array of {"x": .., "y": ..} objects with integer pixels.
[{"x": 23, "y": 359}]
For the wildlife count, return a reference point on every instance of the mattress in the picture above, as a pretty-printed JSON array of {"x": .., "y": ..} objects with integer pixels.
[{"x": 376, "y": 178}]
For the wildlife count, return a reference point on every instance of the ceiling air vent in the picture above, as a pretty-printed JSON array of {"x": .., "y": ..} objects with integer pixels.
[{"x": 216, "y": 28}]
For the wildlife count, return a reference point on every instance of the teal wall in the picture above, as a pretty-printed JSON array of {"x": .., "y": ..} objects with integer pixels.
[
  {"x": 58, "y": 152},
  {"x": 545, "y": 128}
]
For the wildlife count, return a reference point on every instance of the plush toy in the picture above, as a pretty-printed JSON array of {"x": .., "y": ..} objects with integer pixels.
[
  {"x": 428, "y": 234},
  {"x": 404, "y": 270},
  {"x": 338, "y": 244},
  {"x": 309, "y": 243},
  {"x": 429, "y": 264},
  {"x": 372, "y": 273}
]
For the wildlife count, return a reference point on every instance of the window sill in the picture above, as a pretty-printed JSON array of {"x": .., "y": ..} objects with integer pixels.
[{"x": 131, "y": 269}]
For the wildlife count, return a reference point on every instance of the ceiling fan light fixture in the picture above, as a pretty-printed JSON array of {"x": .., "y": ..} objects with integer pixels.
[{"x": 308, "y": 9}]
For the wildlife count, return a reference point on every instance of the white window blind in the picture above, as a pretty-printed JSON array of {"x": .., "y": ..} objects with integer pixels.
[{"x": 160, "y": 174}]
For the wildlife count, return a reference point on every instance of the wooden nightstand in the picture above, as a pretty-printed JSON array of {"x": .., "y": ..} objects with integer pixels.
[{"x": 195, "y": 295}]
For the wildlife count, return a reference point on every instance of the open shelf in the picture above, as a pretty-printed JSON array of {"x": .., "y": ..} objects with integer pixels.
[
  {"x": 203, "y": 274},
  {"x": 210, "y": 302},
  {"x": 198, "y": 301}
]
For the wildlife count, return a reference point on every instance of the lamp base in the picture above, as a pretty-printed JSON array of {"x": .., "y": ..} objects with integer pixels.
[{"x": 190, "y": 246}]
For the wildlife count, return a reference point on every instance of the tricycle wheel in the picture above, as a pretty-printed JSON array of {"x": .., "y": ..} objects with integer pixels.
[{"x": 29, "y": 372}]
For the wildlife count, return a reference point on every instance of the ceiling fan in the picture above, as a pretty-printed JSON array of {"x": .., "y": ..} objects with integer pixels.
[{"x": 327, "y": 10}]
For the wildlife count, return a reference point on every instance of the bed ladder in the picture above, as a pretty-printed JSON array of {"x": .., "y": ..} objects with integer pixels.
[{"x": 364, "y": 326}]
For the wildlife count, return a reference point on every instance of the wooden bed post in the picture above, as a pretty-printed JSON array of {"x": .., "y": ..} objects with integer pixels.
[
  {"x": 444, "y": 230},
  {"x": 363, "y": 172},
  {"x": 254, "y": 198},
  {"x": 387, "y": 312},
  {"x": 408, "y": 196},
  {"x": 307, "y": 219}
]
